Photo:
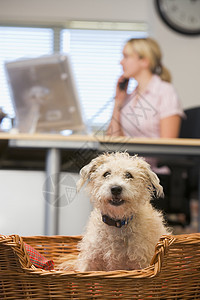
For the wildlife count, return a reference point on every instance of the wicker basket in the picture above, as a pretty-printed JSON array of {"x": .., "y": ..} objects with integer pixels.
[{"x": 173, "y": 274}]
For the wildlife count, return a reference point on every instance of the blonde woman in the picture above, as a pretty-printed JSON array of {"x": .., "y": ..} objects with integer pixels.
[{"x": 153, "y": 109}]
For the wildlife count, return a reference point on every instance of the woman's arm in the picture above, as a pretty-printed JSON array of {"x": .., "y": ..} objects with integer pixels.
[
  {"x": 170, "y": 127},
  {"x": 114, "y": 128}
]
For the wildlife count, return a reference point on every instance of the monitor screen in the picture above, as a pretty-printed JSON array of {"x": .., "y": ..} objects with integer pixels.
[{"x": 44, "y": 94}]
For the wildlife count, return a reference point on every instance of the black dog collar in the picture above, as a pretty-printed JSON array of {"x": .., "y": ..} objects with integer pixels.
[{"x": 117, "y": 223}]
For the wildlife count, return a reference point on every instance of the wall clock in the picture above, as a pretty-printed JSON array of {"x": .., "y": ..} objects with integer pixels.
[{"x": 183, "y": 16}]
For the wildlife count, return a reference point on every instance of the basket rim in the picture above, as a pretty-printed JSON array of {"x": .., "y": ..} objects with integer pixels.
[{"x": 16, "y": 242}]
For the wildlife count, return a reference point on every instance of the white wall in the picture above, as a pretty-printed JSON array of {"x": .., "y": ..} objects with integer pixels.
[
  {"x": 181, "y": 56},
  {"x": 62, "y": 10},
  {"x": 22, "y": 202},
  {"x": 22, "y": 205}
]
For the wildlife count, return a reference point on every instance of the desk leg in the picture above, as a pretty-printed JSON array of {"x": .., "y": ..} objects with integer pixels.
[
  {"x": 199, "y": 199},
  {"x": 52, "y": 192}
]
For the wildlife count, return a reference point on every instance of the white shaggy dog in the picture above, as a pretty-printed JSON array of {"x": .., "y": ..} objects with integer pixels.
[{"x": 123, "y": 228}]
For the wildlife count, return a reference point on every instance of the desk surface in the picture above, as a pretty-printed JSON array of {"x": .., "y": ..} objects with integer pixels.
[
  {"x": 28, "y": 151},
  {"x": 98, "y": 138}
]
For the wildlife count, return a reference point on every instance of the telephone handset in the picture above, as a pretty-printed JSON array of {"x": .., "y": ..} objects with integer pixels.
[{"x": 123, "y": 84}]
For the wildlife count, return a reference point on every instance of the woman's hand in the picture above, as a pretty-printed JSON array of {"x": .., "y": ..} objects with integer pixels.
[
  {"x": 121, "y": 94},
  {"x": 115, "y": 128}
]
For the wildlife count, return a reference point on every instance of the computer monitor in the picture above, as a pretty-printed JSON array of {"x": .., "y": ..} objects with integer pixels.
[{"x": 44, "y": 94}]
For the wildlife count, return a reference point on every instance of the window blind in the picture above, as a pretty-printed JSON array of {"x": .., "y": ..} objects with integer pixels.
[{"x": 96, "y": 56}]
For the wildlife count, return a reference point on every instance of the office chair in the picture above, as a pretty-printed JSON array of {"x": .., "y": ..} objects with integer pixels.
[
  {"x": 183, "y": 179},
  {"x": 190, "y": 127}
]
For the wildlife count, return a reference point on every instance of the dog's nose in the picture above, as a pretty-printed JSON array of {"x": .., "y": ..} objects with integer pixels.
[{"x": 116, "y": 190}]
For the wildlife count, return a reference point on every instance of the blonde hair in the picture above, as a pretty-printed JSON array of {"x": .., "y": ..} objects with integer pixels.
[{"x": 149, "y": 48}]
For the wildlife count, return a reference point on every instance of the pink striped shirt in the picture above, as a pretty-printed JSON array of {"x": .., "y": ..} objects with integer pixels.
[{"x": 141, "y": 113}]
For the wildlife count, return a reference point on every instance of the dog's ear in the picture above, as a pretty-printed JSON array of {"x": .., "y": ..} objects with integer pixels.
[
  {"x": 87, "y": 170},
  {"x": 155, "y": 183},
  {"x": 85, "y": 173},
  {"x": 152, "y": 179}
]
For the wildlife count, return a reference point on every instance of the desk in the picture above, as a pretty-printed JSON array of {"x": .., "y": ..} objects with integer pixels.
[{"x": 52, "y": 145}]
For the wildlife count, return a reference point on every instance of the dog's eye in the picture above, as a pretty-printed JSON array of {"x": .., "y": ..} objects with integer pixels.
[
  {"x": 106, "y": 174},
  {"x": 128, "y": 175}
]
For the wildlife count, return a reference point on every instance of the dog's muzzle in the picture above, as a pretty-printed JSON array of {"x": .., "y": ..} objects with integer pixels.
[{"x": 116, "y": 191}]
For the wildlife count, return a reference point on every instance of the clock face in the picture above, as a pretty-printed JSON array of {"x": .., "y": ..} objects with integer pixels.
[{"x": 182, "y": 16}]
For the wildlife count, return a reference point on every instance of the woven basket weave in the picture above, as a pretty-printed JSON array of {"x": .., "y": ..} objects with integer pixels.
[{"x": 174, "y": 272}]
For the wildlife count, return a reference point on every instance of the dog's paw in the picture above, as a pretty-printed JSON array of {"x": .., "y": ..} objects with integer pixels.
[
  {"x": 67, "y": 262},
  {"x": 67, "y": 266}
]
